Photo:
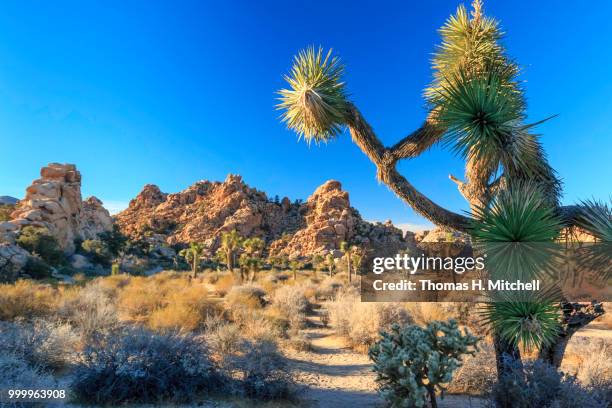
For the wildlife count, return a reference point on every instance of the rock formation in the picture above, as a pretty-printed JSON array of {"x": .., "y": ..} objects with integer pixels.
[
  {"x": 12, "y": 260},
  {"x": 206, "y": 209},
  {"x": 54, "y": 202}
]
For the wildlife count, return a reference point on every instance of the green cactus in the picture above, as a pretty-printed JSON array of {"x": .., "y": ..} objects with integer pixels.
[{"x": 414, "y": 362}]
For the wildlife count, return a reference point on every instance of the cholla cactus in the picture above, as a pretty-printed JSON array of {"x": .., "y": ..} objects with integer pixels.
[{"x": 411, "y": 362}]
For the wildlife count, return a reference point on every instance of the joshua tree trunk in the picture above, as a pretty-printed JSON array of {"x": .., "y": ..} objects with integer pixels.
[
  {"x": 348, "y": 265},
  {"x": 575, "y": 317},
  {"x": 432, "y": 396},
  {"x": 194, "y": 266},
  {"x": 476, "y": 188}
]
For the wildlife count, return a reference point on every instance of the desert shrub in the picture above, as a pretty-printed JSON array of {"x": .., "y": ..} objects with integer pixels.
[
  {"x": 97, "y": 250},
  {"x": 139, "y": 298},
  {"x": 224, "y": 338},
  {"x": 114, "y": 240},
  {"x": 537, "y": 384},
  {"x": 477, "y": 374},
  {"x": 262, "y": 371},
  {"x": 5, "y": 211},
  {"x": 140, "y": 366},
  {"x": 412, "y": 362},
  {"x": 36, "y": 268},
  {"x": 18, "y": 374},
  {"x": 595, "y": 363},
  {"x": 360, "y": 322},
  {"x": 39, "y": 241},
  {"x": 48, "y": 345},
  {"x": 293, "y": 304},
  {"x": 299, "y": 342},
  {"x": 92, "y": 309},
  {"x": 224, "y": 284},
  {"x": 328, "y": 288},
  {"x": 186, "y": 309},
  {"x": 26, "y": 299},
  {"x": 245, "y": 297}
]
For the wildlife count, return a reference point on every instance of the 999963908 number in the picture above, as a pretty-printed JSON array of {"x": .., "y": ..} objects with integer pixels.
[{"x": 31, "y": 395}]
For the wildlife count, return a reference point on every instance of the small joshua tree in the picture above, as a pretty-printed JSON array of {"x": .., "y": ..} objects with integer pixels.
[
  {"x": 331, "y": 264},
  {"x": 413, "y": 362},
  {"x": 318, "y": 263},
  {"x": 295, "y": 266},
  {"x": 346, "y": 250},
  {"x": 250, "y": 260},
  {"x": 192, "y": 255},
  {"x": 230, "y": 244}
]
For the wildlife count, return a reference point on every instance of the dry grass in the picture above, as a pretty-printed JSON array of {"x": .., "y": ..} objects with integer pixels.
[
  {"x": 477, "y": 374},
  {"x": 27, "y": 299},
  {"x": 186, "y": 309},
  {"x": 360, "y": 322}
]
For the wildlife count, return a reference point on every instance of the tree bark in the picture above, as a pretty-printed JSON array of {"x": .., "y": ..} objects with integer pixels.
[
  {"x": 432, "y": 396},
  {"x": 575, "y": 317},
  {"x": 385, "y": 160}
]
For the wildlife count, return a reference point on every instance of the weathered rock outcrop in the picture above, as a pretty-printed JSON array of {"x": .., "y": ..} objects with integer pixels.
[
  {"x": 206, "y": 209},
  {"x": 12, "y": 260},
  {"x": 54, "y": 202}
]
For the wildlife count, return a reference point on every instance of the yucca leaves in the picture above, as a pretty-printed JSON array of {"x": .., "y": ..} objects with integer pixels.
[
  {"x": 481, "y": 114},
  {"x": 595, "y": 217},
  {"x": 470, "y": 43},
  {"x": 315, "y": 104},
  {"x": 519, "y": 213},
  {"x": 532, "y": 324}
]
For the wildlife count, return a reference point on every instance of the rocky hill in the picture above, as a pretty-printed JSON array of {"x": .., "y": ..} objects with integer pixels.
[
  {"x": 8, "y": 200},
  {"x": 294, "y": 229}
]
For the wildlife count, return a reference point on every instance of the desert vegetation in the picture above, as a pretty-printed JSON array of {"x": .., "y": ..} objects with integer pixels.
[
  {"x": 151, "y": 307},
  {"x": 175, "y": 338}
]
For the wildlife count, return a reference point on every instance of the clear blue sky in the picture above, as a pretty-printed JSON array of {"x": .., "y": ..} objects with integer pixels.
[{"x": 174, "y": 92}]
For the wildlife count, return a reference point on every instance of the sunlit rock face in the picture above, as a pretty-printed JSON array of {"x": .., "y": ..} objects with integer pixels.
[
  {"x": 54, "y": 202},
  {"x": 204, "y": 210}
]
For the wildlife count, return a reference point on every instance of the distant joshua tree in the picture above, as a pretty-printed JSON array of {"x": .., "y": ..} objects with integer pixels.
[
  {"x": 295, "y": 266},
  {"x": 476, "y": 107},
  {"x": 331, "y": 264},
  {"x": 251, "y": 259},
  {"x": 346, "y": 250},
  {"x": 318, "y": 263},
  {"x": 193, "y": 255},
  {"x": 230, "y": 244}
]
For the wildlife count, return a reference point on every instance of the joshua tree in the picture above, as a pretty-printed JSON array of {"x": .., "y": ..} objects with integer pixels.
[
  {"x": 230, "y": 244},
  {"x": 193, "y": 255},
  {"x": 476, "y": 107},
  {"x": 356, "y": 259},
  {"x": 295, "y": 265},
  {"x": 331, "y": 264},
  {"x": 251, "y": 258},
  {"x": 346, "y": 249},
  {"x": 318, "y": 262}
]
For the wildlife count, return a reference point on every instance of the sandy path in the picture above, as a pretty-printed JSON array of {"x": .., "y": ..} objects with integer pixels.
[{"x": 334, "y": 376}]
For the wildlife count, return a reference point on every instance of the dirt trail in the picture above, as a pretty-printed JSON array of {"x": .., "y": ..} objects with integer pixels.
[{"x": 334, "y": 376}]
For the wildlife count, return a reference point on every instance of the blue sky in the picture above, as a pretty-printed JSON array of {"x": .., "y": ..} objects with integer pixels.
[{"x": 173, "y": 92}]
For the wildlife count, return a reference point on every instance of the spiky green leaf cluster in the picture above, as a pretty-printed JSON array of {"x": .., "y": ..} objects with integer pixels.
[
  {"x": 519, "y": 213},
  {"x": 315, "y": 104},
  {"x": 532, "y": 324},
  {"x": 481, "y": 114},
  {"x": 596, "y": 218},
  {"x": 470, "y": 43},
  {"x": 476, "y": 96}
]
